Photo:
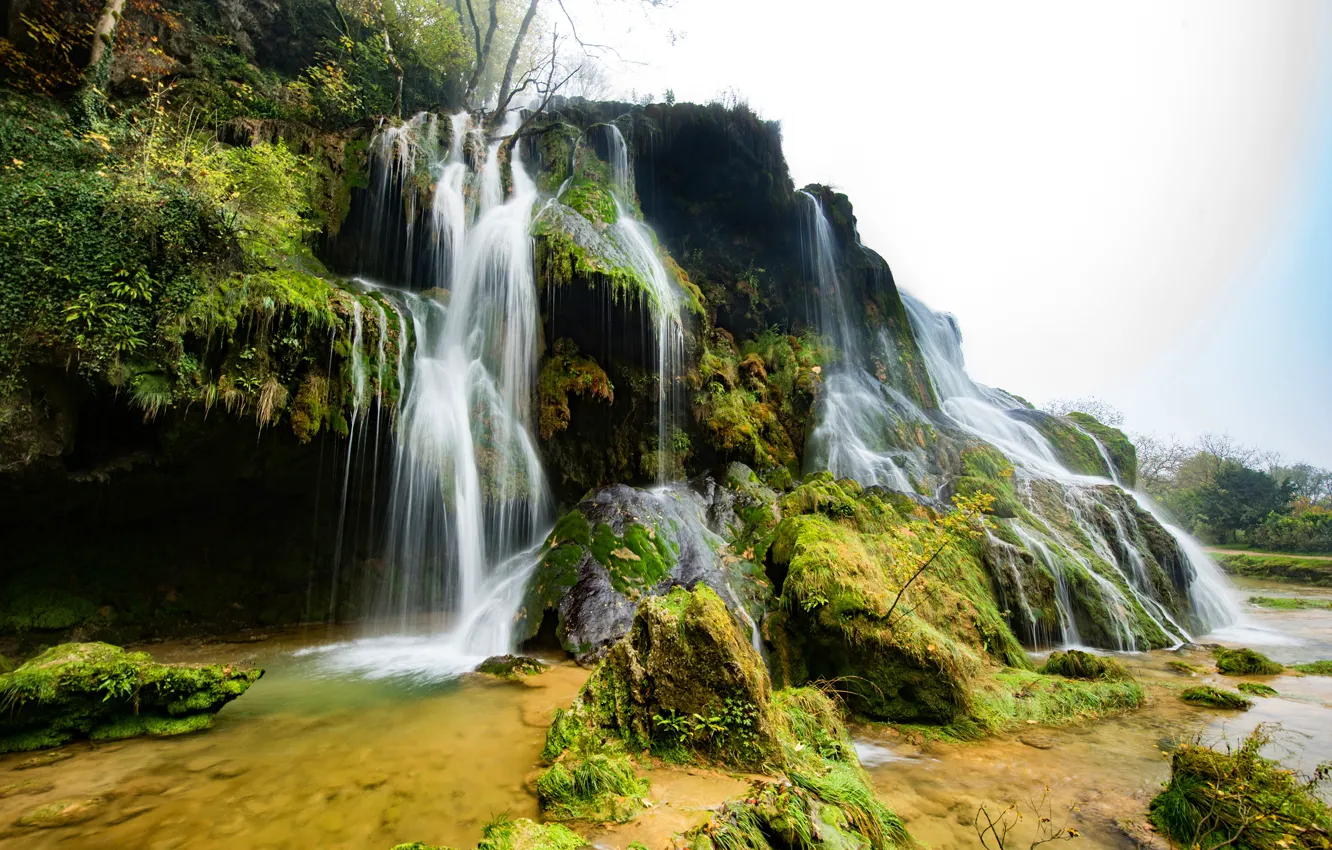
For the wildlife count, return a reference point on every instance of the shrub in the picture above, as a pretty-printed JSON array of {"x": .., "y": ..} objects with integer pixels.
[{"x": 1239, "y": 799}]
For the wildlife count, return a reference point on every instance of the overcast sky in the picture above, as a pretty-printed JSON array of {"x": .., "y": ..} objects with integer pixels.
[{"x": 1130, "y": 199}]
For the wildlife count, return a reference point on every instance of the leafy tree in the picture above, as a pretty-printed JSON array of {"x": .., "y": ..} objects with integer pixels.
[{"x": 1239, "y": 498}]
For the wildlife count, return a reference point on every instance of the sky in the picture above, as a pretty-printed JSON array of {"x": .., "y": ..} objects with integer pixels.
[{"x": 1128, "y": 200}]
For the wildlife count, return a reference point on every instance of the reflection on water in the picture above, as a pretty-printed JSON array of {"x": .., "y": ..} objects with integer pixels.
[{"x": 311, "y": 757}]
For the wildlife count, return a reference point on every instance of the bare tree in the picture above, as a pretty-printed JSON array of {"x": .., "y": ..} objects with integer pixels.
[
  {"x": 1105, "y": 412},
  {"x": 1159, "y": 458}
]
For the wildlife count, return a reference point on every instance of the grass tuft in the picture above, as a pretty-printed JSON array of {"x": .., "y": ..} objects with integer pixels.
[
  {"x": 1076, "y": 664},
  {"x": 1215, "y": 698},
  {"x": 1245, "y": 662}
]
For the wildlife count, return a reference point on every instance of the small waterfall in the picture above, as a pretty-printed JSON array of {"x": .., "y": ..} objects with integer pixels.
[
  {"x": 855, "y": 417},
  {"x": 664, "y": 301},
  {"x": 469, "y": 503}
]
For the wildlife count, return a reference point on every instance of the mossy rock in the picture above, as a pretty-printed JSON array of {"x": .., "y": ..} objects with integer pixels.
[
  {"x": 594, "y": 787},
  {"x": 1206, "y": 695},
  {"x": 98, "y": 691},
  {"x": 685, "y": 679},
  {"x": 1076, "y": 664},
  {"x": 512, "y": 667},
  {"x": 1246, "y": 662},
  {"x": 1116, "y": 444}
]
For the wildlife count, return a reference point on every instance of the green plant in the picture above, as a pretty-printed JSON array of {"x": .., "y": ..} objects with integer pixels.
[
  {"x": 1215, "y": 698},
  {"x": 1246, "y": 662},
  {"x": 1257, "y": 689}
]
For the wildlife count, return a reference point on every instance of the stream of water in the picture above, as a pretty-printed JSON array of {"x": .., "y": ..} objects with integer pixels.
[{"x": 313, "y": 755}]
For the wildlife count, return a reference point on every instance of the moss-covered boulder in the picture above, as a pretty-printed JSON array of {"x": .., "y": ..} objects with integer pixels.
[
  {"x": 98, "y": 691},
  {"x": 512, "y": 667},
  {"x": 619, "y": 546},
  {"x": 685, "y": 680}
]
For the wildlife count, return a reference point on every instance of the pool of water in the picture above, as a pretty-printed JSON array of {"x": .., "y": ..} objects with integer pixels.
[{"x": 316, "y": 756}]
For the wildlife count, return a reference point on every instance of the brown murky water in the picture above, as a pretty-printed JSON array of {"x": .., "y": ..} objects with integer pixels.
[{"x": 306, "y": 759}]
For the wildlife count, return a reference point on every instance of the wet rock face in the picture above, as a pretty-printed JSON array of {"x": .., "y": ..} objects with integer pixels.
[{"x": 618, "y": 547}]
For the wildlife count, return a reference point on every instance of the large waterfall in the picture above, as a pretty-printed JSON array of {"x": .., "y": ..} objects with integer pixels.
[
  {"x": 1077, "y": 536},
  {"x": 469, "y": 504}
]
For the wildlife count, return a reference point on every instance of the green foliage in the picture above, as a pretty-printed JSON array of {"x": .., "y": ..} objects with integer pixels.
[
  {"x": 1315, "y": 668},
  {"x": 1245, "y": 662},
  {"x": 1308, "y": 528},
  {"x": 753, "y": 401},
  {"x": 1076, "y": 664},
  {"x": 522, "y": 834},
  {"x": 1211, "y": 697},
  {"x": 102, "y": 692},
  {"x": 1240, "y": 799}
]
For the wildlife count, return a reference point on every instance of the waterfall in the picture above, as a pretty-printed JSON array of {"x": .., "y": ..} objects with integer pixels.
[
  {"x": 663, "y": 298},
  {"x": 469, "y": 503},
  {"x": 984, "y": 413},
  {"x": 854, "y": 417}
]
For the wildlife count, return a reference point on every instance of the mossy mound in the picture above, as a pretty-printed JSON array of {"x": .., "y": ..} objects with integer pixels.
[
  {"x": 505, "y": 833},
  {"x": 1292, "y": 568},
  {"x": 1116, "y": 443},
  {"x": 1239, "y": 799},
  {"x": 511, "y": 666},
  {"x": 1246, "y": 662},
  {"x": 1076, "y": 664},
  {"x": 1258, "y": 689},
  {"x": 591, "y": 786},
  {"x": 1215, "y": 698},
  {"x": 1184, "y": 668},
  {"x": 1290, "y": 603},
  {"x": 98, "y": 691}
]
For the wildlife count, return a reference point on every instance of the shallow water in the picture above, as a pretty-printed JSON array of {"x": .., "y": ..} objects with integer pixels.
[{"x": 314, "y": 755}]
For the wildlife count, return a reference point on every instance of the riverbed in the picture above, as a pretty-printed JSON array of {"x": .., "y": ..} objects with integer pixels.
[{"x": 311, "y": 757}]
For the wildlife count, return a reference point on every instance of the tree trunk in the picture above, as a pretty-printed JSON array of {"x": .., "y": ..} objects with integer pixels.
[
  {"x": 504, "y": 92},
  {"x": 392, "y": 58},
  {"x": 104, "y": 32},
  {"x": 484, "y": 56}
]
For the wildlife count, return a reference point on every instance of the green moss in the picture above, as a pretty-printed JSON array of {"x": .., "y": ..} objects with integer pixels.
[
  {"x": 1076, "y": 664},
  {"x": 1116, "y": 444},
  {"x": 591, "y": 786},
  {"x": 1258, "y": 689},
  {"x": 562, "y": 373},
  {"x": 1315, "y": 668},
  {"x": 1245, "y": 662},
  {"x": 1075, "y": 447},
  {"x": 636, "y": 560},
  {"x": 523, "y": 834},
  {"x": 986, "y": 470},
  {"x": 1215, "y": 698},
  {"x": 102, "y": 692},
  {"x": 1239, "y": 799},
  {"x": 1014, "y": 698}
]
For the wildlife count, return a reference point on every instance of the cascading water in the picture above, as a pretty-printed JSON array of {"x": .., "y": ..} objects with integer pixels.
[
  {"x": 854, "y": 416},
  {"x": 983, "y": 413},
  {"x": 858, "y": 414},
  {"x": 469, "y": 502},
  {"x": 663, "y": 297}
]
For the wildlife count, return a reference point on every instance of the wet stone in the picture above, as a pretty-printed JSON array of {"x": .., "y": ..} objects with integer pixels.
[{"x": 1040, "y": 742}]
